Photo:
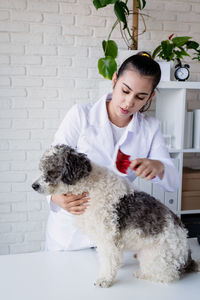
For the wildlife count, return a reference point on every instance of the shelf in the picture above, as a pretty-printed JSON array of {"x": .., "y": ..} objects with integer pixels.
[
  {"x": 174, "y": 150},
  {"x": 191, "y": 150},
  {"x": 170, "y": 111},
  {"x": 179, "y": 85},
  {"x": 187, "y": 212}
]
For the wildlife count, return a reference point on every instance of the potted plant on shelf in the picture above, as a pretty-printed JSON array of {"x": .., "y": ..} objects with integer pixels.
[
  {"x": 174, "y": 49},
  {"x": 107, "y": 65}
]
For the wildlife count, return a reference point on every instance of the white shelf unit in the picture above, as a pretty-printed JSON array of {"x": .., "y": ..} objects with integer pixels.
[{"x": 170, "y": 109}]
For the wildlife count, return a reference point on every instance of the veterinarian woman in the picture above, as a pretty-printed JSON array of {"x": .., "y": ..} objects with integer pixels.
[{"x": 99, "y": 129}]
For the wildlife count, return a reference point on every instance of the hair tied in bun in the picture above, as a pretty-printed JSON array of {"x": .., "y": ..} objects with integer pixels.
[{"x": 146, "y": 54}]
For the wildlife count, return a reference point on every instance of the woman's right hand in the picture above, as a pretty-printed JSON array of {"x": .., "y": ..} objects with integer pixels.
[{"x": 74, "y": 204}]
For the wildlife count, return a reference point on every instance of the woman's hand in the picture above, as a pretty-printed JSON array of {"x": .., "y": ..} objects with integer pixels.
[
  {"x": 147, "y": 168},
  {"x": 74, "y": 204}
]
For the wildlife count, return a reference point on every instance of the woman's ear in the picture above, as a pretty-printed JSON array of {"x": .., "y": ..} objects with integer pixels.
[
  {"x": 114, "y": 79},
  {"x": 153, "y": 94}
]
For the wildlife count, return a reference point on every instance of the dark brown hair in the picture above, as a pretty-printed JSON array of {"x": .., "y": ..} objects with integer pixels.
[{"x": 143, "y": 63}]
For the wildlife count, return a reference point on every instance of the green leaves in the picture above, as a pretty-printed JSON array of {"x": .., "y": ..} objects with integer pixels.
[
  {"x": 141, "y": 4},
  {"x": 121, "y": 11},
  {"x": 180, "y": 40},
  {"x": 167, "y": 50},
  {"x": 110, "y": 48},
  {"x": 195, "y": 46},
  {"x": 107, "y": 66},
  {"x": 192, "y": 45},
  {"x": 156, "y": 51},
  {"x": 120, "y": 8},
  {"x": 197, "y": 55},
  {"x": 176, "y": 48},
  {"x": 102, "y": 3}
]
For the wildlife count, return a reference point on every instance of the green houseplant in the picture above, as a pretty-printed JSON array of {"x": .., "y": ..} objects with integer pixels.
[
  {"x": 176, "y": 48},
  {"x": 107, "y": 65}
]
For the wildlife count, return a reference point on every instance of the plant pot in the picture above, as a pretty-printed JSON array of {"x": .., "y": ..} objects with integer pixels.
[{"x": 167, "y": 70}]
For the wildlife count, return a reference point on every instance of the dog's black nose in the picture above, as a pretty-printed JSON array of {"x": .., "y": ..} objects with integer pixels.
[{"x": 35, "y": 186}]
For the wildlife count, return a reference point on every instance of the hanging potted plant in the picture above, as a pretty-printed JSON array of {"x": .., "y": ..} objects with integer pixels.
[
  {"x": 107, "y": 65},
  {"x": 174, "y": 49}
]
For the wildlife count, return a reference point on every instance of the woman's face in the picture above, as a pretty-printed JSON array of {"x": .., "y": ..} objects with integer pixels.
[{"x": 131, "y": 91}]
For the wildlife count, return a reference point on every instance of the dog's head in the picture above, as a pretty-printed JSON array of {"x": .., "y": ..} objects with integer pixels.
[{"x": 61, "y": 164}]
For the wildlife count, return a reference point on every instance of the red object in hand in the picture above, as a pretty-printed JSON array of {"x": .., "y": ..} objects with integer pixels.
[{"x": 123, "y": 161}]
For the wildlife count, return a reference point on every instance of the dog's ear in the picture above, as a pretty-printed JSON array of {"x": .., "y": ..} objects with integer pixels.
[{"x": 76, "y": 166}]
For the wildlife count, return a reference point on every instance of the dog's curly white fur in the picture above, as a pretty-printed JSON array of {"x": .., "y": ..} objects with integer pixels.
[{"x": 119, "y": 218}]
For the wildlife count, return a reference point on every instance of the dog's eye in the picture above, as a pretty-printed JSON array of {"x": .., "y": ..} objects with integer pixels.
[
  {"x": 53, "y": 173},
  {"x": 51, "y": 177},
  {"x": 50, "y": 181}
]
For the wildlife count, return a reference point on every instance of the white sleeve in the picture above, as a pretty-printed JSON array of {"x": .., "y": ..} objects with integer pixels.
[
  {"x": 69, "y": 129},
  {"x": 171, "y": 179}
]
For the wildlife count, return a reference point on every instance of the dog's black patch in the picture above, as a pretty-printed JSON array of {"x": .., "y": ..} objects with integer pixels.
[
  {"x": 76, "y": 166},
  {"x": 65, "y": 164},
  {"x": 190, "y": 265},
  {"x": 143, "y": 212}
]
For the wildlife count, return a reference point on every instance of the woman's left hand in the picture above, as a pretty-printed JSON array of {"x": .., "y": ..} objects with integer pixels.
[{"x": 147, "y": 168}]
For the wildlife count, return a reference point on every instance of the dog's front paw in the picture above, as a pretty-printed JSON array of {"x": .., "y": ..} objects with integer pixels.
[{"x": 103, "y": 282}]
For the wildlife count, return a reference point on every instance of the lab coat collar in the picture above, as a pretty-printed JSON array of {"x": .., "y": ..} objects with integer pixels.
[
  {"x": 99, "y": 115},
  {"x": 133, "y": 125}
]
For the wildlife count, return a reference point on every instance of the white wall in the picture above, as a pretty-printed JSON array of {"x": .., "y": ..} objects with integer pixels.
[{"x": 48, "y": 56}]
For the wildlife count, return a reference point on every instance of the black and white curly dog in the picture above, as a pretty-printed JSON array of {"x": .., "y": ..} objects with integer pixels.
[{"x": 118, "y": 218}]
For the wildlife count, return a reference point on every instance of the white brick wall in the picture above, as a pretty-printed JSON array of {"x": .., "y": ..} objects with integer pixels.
[{"x": 48, "y": 56}]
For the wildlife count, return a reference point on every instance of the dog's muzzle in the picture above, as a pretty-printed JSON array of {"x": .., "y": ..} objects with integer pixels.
[{"x": 35, "y": 186}]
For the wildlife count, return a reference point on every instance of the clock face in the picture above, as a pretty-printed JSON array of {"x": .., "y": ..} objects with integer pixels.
[{"x": 182, "y": 73}]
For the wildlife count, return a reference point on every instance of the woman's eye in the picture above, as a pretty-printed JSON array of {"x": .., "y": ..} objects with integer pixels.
[
  {"x": 126, "y": 92},
  {"x": 140, "y": 98}
]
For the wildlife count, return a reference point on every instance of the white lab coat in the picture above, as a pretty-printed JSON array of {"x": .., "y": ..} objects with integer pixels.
[{"x": 86, "y": 127}]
